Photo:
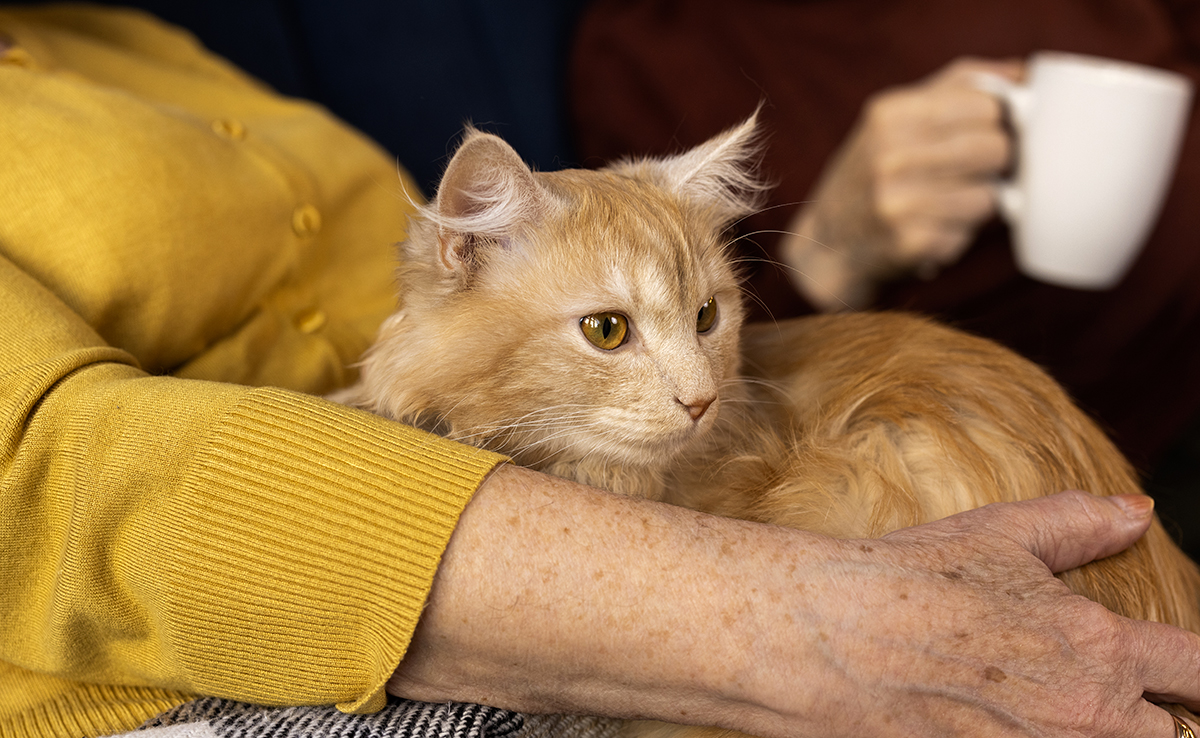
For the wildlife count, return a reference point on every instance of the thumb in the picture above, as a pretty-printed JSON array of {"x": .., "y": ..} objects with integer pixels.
[{"x": 1070, "y": 529}]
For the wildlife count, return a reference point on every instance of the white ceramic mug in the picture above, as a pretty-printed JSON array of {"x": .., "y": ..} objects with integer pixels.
[{"x": 1097, "y": 141}]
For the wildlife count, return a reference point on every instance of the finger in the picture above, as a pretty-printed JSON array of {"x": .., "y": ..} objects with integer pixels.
[
  {"x": 1169, "y": 659},
  {"x": 941, "y": 240},
  {"x": 964, "y": 69},
  {"x": 934, "y": 225},
  {"x": 1070, "y": 529},
  {"x": 1145, "y": 720},
  {"x": 930, "y": 244},
  {"x": 1190, "y": 724},
  {"x": 920, "y": 112},
  {"x": 972, "y": 152},
  {"x": 946, "y": 203}
]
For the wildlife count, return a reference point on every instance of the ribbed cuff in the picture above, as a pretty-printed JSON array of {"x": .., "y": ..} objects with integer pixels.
[
  {"x": 307, "y": 538},
  {"x": 90, "y": 710}
]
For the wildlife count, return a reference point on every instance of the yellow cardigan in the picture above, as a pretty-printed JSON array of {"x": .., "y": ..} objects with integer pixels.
[{"x": 183, "y": 255}]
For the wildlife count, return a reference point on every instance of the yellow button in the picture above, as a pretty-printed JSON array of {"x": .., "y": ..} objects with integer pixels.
[
  {"x": 229, "y": 128},
  {"x": 306, "y": 220},
  {"x": 310, "y": 321},
  {"x": 17, "y": 57}
]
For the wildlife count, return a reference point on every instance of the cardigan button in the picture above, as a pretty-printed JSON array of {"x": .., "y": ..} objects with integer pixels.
[
  {"x": 234, "y": 130},
  {"x": 310, "y": 321},
  {"x": 306, "y": 221},
  {"x": 17, "y": 57}
]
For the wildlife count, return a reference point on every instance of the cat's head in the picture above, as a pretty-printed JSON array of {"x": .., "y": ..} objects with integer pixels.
[{"x": 569, "y": 317}]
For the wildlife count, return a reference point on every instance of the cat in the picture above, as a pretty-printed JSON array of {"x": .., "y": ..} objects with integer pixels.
[
  {"x": 581, "y": 322},
  {"x": 589, "y": 324}
]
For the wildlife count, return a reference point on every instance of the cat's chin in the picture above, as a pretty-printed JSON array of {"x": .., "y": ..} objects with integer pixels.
[
  {"x": 630, "y": 480},
  {"x": 622, "y": 465}
]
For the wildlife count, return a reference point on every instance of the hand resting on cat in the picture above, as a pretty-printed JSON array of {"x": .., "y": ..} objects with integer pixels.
[{"x": 588, "y": 325}]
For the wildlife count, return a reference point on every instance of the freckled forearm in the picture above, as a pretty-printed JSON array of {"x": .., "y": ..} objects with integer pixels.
[{"x": 555, "y": 597}]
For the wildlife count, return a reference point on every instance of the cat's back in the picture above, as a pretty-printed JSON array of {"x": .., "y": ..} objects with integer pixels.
[{"x": 893, "y": 420}]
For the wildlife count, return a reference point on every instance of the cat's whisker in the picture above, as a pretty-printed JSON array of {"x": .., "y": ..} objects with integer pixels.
[
  {"x": 844, "y": 252},
  {"x": 515, "y": 425},
  {"x": 768, "y": 208},
  {"x": 550, "y": 428},
  {"x": 759, "y": 301},
  {"x": 508, "y": 426},
  {"x": 845, "y": 306},
  {"x": 849, "y": 254},
  {"x": 778, "y": 388},
  {"x": 561, "y": 449}
]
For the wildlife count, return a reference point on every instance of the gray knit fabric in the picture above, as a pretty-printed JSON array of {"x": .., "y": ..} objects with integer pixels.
[{"x": 217, "y": 718}]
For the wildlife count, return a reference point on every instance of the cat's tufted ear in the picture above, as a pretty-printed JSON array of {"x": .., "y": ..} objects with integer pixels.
[
  {"x": 721, "y": 172},
  {"x": 485, "y": 196}
]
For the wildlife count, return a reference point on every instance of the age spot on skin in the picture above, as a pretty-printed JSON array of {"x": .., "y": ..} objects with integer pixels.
[{"x": 992, "y": 674}]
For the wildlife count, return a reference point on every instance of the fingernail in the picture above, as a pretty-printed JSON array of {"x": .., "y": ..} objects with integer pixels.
[{"x": 1134, "y": 506}]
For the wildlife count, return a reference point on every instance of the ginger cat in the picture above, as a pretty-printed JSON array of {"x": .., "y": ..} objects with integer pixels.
[{"x": 588, "y": 324}]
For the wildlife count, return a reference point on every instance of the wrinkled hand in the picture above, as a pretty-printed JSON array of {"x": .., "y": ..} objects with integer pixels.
[
  {"x": 907, "y": 190},
  {"x": 556, "y": 598},
  {"x": 956, "y": 628}
]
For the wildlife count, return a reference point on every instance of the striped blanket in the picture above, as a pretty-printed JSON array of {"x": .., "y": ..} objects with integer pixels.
[{"x": 217, "y": 718}]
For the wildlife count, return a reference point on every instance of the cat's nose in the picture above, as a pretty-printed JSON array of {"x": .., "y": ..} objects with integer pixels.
[{"x": 697, "y": 408}]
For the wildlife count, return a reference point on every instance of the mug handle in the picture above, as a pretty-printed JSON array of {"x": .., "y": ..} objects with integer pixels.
[{"x": 1018, "y": 101}]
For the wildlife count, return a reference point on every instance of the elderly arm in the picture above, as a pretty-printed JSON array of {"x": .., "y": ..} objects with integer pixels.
[{"x": 554, "y": 597}]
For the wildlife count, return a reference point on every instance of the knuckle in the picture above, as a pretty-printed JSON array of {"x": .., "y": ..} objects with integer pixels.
[
  {"x": 997, "y": 148},
  {"x": 965, "y": 64},
  {"x": 977, "y": 203},
  {"x": 888, "y": 164},
  {"x": 949, "y": 246},
  {"x": 877, "y": 108},
  {"x": 891, "y": 206},
  {"x": 889, "y": 110},
  {"x": 878, "y": 124},
  {"x": 914, "y": 243},
  {"x": 989, "y": 107}
]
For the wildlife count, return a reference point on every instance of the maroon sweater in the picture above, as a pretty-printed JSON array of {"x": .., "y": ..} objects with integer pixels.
[{"x": 656, "y": 76}]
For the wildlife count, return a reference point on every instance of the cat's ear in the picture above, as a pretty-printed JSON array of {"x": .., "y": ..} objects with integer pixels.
[
  {"x": 486, "y": 195},
  {"x": 720, "y": 173}
]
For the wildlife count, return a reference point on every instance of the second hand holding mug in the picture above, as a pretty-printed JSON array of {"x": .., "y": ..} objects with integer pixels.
[{"x": 1097, "y": 141}]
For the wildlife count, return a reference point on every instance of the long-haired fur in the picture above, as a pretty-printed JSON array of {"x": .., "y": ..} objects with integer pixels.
[{"x": 851, "y": 425}]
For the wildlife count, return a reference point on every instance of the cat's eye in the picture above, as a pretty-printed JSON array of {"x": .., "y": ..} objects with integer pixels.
[
  {"x": 707, "y": 316},
  {"x": 605, "y": 330}
]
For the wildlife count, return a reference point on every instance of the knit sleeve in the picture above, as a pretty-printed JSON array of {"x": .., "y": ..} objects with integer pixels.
[{"x": 256, "y": 544}]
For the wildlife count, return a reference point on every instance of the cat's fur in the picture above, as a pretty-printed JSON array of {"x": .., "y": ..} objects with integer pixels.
[
  {"x": 849, "y": 425},
  {"x": 495, "y": 276}
]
